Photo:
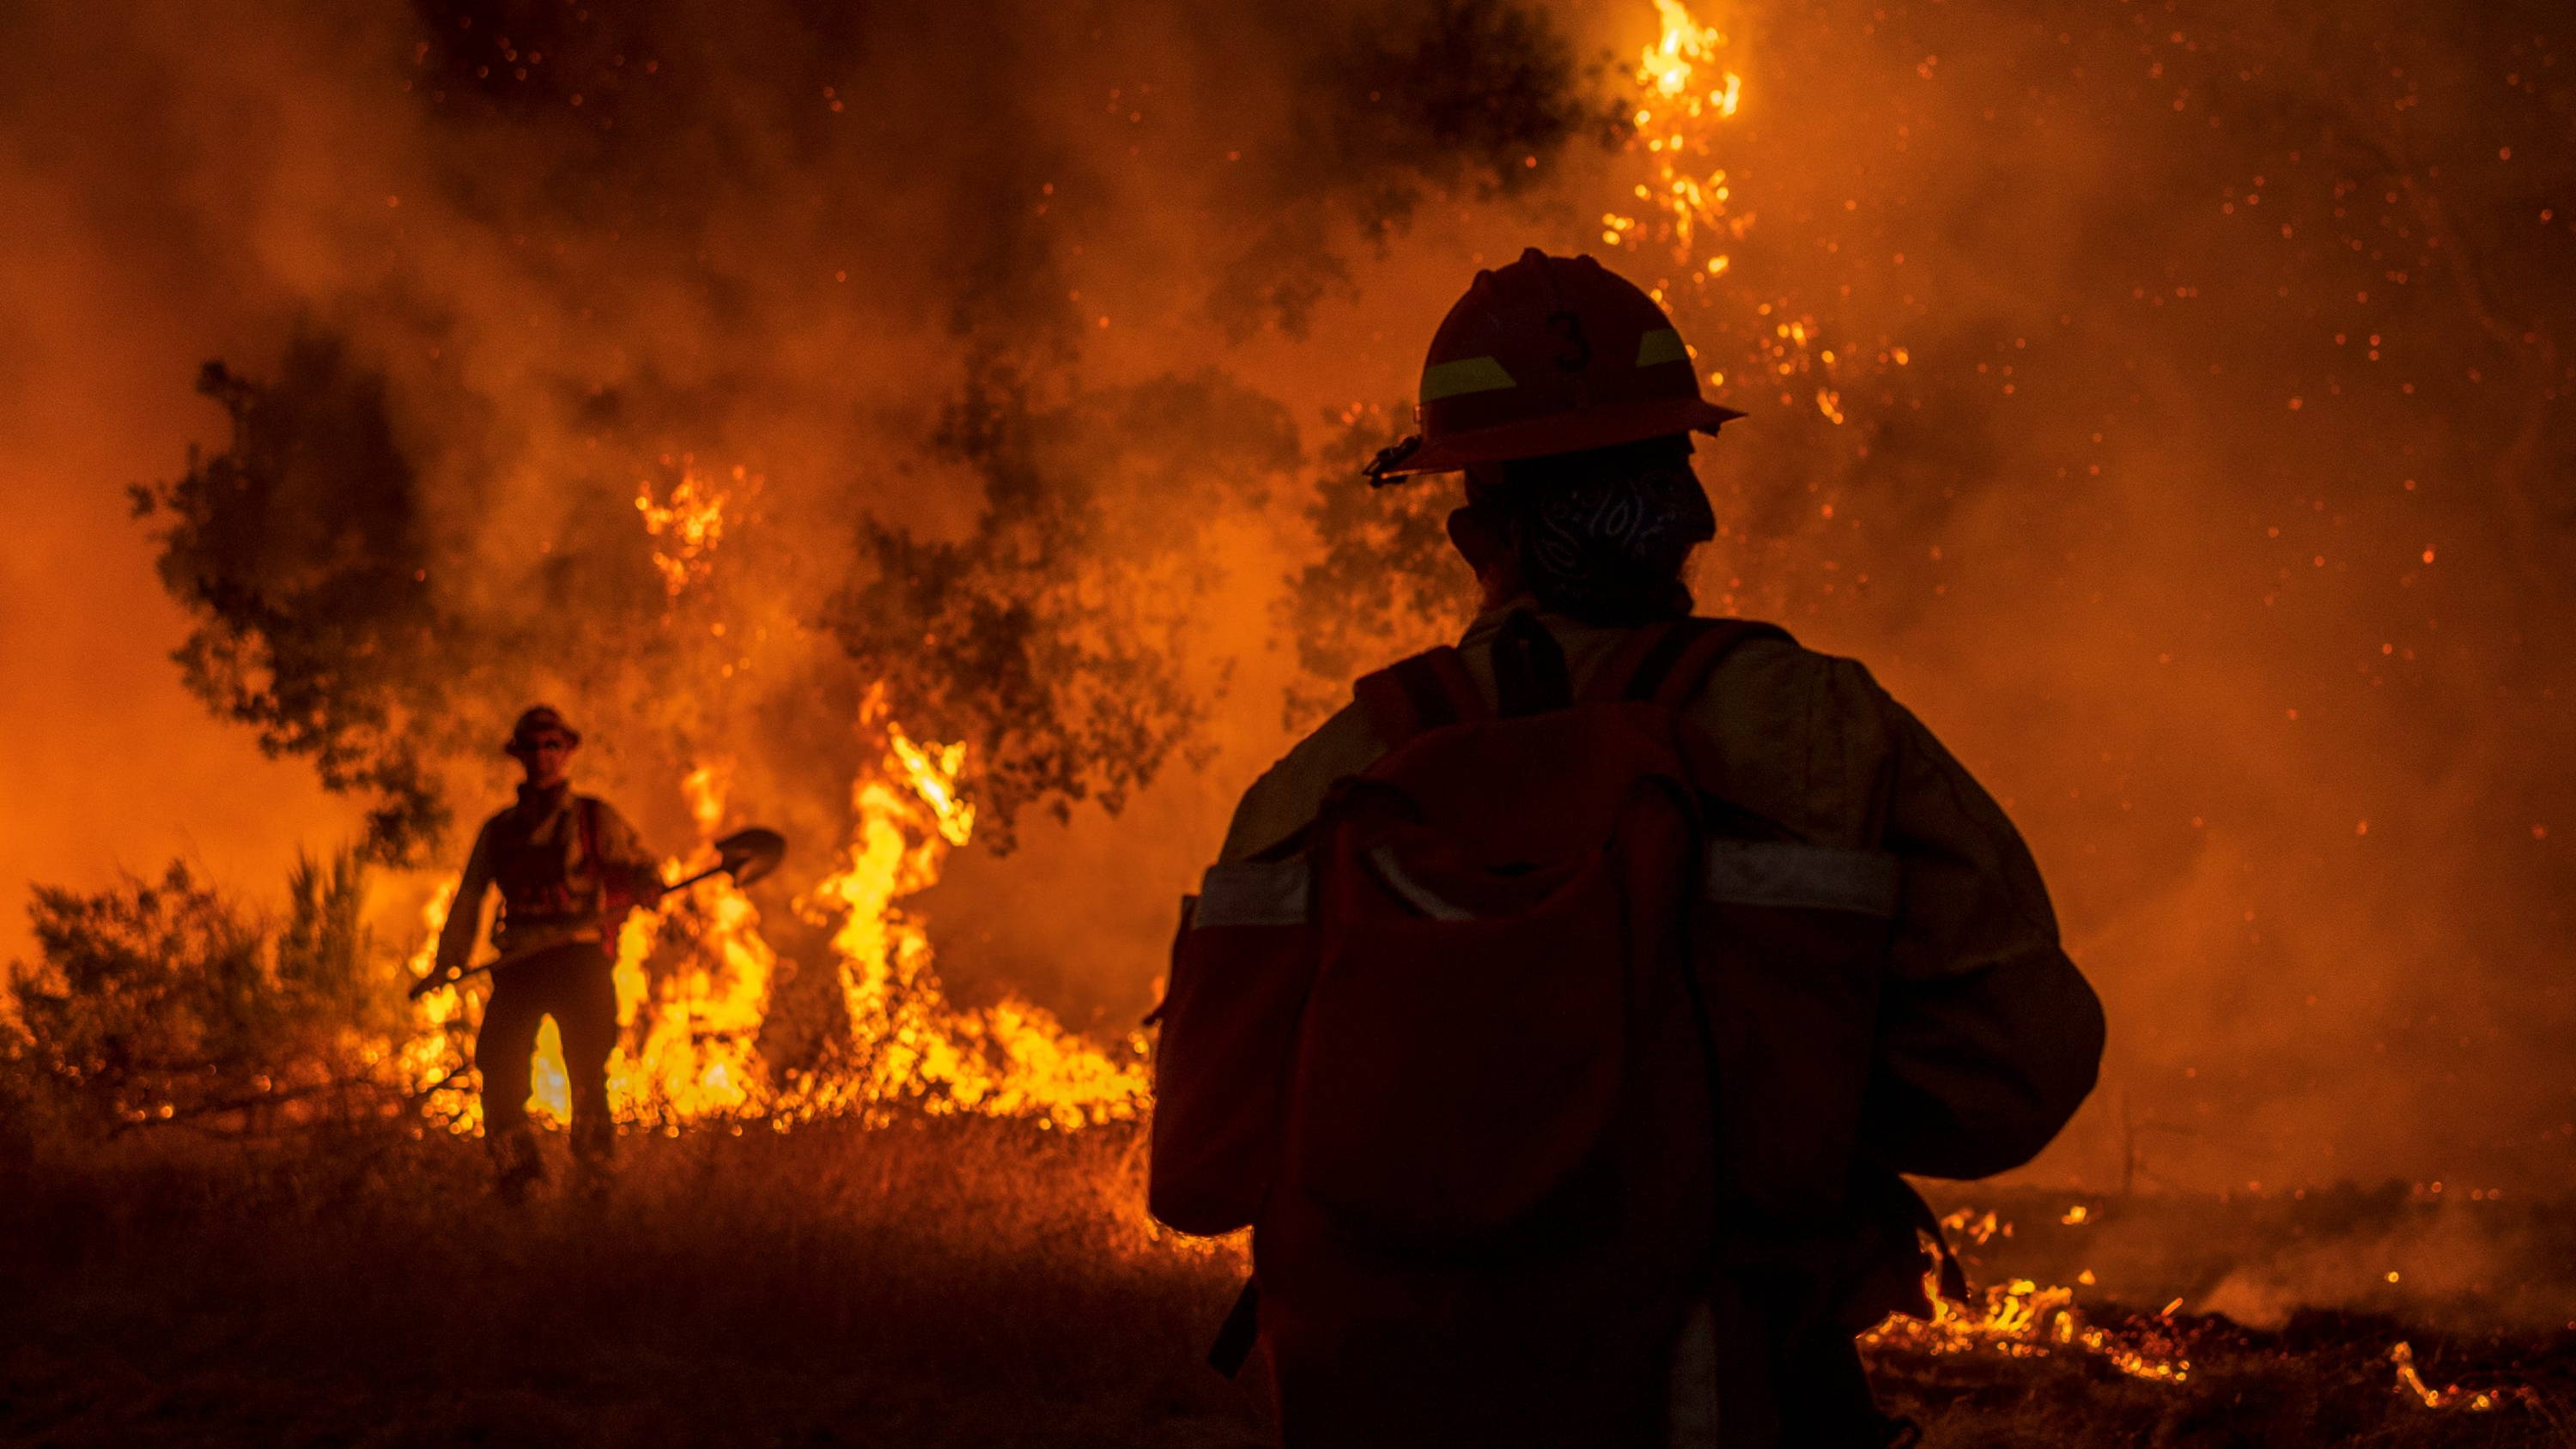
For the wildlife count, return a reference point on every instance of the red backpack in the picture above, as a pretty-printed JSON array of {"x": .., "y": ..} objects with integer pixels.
[
  {"x": 1465, "y": 1051},
  {"x": 1415, "y": 1008}
]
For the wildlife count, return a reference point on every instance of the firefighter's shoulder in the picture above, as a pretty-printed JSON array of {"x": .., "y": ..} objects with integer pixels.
[
  {"x": 1800, "y": 735},
  {"x": 611, "y": 823},
  {"x": 1288, "y": 795},
  {"x": 1788, "y": 686}
]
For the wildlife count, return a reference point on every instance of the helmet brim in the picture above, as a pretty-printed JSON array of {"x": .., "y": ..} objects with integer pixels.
[
  {"x": 521, "y": 745},
  {"x": 1597, "y": 427}
]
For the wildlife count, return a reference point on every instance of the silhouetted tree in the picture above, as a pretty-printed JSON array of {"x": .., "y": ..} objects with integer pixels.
[
  {"x": 301, "y": 553},
  {"x": 1051, "y": 637}
]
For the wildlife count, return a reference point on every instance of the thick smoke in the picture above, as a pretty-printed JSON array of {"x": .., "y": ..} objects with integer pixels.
[
  {"x": 2164, "y": 399},
  {"x": 745, "y": 379},
  {"x": 2219, "y": 516}
]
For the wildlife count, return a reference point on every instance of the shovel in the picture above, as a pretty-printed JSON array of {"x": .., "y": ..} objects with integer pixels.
[{"x": 746, "y": 855}]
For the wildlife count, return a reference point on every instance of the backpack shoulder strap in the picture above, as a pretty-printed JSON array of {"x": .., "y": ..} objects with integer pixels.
[
  {"x": 1667, "y": 663},
  {"x": 1422, "y": 693},
  {"x": 589, "y": 816},
  {"x": 1529, "y": 668}
]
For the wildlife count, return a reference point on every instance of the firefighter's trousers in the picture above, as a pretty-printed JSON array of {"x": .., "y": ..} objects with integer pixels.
[{"x": 576, "y": 984}]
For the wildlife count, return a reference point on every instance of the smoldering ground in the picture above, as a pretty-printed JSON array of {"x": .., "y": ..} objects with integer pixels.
[
  {"x": 2164, "y": 399},
  {"x": 955, "y": 1282}
]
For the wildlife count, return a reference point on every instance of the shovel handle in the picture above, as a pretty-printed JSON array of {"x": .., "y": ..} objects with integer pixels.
[
  {"x": 437, "y": 979},
  {"x": 708, "y": 873},
  {"x": 434, "y": 980}
]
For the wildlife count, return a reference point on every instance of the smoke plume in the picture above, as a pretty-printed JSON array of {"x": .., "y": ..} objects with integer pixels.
[{"x": 2166, "y": 401}]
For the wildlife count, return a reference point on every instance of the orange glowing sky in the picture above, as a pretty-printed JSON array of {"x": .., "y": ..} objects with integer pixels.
[{"x": 2166, "y": 400}]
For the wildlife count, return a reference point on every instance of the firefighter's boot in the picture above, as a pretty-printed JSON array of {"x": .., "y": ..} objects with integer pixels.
[
  {"x": 517, "y": 1165},
  {"x": 594, "y": 1160}
]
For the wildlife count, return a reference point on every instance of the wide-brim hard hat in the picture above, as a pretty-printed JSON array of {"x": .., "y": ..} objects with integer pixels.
[
  {"x": 1549, "y": 355},
  {"x": 536, "y": 720}
]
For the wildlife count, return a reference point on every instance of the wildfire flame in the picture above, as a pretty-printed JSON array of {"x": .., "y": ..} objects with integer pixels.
[
  {"x": 689, "y": 1028},
  {"x": 2020, "y": 1319},
  {"x": 1684, "y": 199},
  {"x": 433, "y": 1059},
  {"x": 694, "y": 1037},
  {"x": 691, "y": 521},
  {"x": 1685, "y": 96},
  {"x": 2476, "y": 1401},
  {"x": 689, "y": 1040},
  {"x": 1010, "y": 1060}
]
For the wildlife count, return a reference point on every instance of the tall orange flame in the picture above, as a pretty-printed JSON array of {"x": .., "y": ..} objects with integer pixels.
[{"x": 689, "y": 1041}]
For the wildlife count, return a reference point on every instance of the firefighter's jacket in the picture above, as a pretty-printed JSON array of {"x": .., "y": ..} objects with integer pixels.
[
  {"x": 568, "y": 867},
  {"x": 1988, "y": 1036}
]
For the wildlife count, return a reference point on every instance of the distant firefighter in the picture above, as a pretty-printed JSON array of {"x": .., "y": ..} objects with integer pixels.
[
  {"x": 1560, "y": 1014},
  {"x": 569, "y": 868}
]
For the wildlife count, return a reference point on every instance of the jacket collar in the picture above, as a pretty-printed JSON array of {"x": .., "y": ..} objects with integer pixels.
[
  {"x": 1492, "y": 619},
  {"x": 537, "y": 804}
]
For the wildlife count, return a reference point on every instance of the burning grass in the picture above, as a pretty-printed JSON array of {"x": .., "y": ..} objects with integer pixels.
[{"x": 938, "y": 1280}]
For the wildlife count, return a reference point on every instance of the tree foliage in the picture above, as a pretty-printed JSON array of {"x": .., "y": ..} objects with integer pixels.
[
  {"x": 1051, "y": 636},
  {"x": 1385, "y": 581},
  {"x": 1458, "y": 98},
  {"x": 301, "y": 552},
  {"x": 165, "y": 999}
]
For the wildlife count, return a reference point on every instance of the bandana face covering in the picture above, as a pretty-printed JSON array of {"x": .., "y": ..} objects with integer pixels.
[{"x": 1590, "y": 546}]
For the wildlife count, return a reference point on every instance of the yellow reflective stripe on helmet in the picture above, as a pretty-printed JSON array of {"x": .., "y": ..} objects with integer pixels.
[
  {"x": 1663, "y": 345},
  {"x": 1467, "y": 374}
]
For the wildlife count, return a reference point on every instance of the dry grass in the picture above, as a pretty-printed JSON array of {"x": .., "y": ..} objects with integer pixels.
[{"x": 933, "y": 1283}]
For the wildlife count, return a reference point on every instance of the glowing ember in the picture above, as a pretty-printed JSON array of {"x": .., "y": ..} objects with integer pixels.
[
  {"x": 2476, "y": 1401},
  {"x": 1978, "y": 1228},
  {"x": 689, "y": 522},
  {"x": 2020, "y": 1319},
  {"x": 1682, "y": 98}
]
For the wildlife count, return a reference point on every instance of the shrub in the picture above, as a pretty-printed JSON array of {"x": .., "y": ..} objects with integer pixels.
[{"x": 166, "y": 1000}]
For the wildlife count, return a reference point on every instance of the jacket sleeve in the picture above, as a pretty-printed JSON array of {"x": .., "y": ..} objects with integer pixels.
[
  {"x": 465, "y": 909},
  {"x": 633, "y": 876},
  {"x": 1290, "y": 794},
  {"x": 1989, "y": 1037}
]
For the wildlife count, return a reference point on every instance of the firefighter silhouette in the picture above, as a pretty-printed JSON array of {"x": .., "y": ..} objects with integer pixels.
[
  {"x": 1560, "y": 1014},
  {"x": 568, "y": 868}
]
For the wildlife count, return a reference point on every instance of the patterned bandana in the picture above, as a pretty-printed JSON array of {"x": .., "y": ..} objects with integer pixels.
[{"x": 1595, "y": 547}]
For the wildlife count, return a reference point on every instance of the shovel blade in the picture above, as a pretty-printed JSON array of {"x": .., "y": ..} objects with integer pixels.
[{"x": 750, "y": 854}]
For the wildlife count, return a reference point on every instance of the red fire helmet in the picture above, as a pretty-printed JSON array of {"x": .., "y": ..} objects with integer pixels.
[
  {"x": 1549, "y": 355},
  {"x": 537, "y": 720}
]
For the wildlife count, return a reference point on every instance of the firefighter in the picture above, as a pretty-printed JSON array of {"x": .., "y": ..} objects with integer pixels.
[
  {"x": 569, "y": 868},
  {"x": 1965, "y": 1041}
]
